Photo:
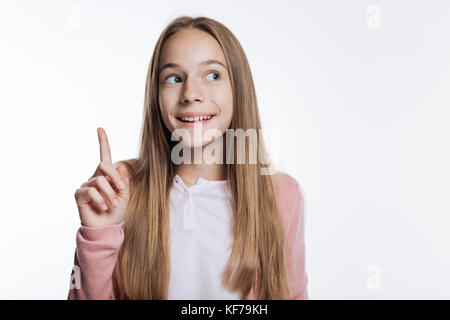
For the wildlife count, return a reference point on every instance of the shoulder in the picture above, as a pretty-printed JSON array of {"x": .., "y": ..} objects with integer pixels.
[
  {"x": 289, "y": 196},
  {"x": 287, "y": 187}
]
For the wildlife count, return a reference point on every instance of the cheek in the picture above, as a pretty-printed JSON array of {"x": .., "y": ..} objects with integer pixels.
[
  {"x": 165, "y": 106},
  {"x": 223, "y": 96},
  {"x": 169, "y": 98},
  {"x": 164, "y": 101},
  {"x": 226, "y": 105}
]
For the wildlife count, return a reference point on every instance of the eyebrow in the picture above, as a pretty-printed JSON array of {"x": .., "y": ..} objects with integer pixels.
[{"x": 203, "y": 63}]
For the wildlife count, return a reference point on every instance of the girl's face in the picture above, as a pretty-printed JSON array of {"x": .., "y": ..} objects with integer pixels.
[{"x": 194, "y": 84}]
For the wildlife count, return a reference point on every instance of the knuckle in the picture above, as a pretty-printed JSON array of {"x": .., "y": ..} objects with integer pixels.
[
  {"x": 103, "y": 165},
  {"x": 112, "y": 195},
  {"x": 99, "y": 202},
  {"x": 91, "y": 192},
  {"x": 100, "y": 181}
]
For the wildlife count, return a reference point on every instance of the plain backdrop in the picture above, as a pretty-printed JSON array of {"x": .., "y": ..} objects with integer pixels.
[{"x": 358, "y": 91}]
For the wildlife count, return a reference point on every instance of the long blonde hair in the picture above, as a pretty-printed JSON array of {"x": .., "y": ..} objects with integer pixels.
[{"x": 258, "y": 253}]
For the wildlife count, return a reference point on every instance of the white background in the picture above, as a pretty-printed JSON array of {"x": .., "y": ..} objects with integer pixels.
[{"x": 360, "y": 96}]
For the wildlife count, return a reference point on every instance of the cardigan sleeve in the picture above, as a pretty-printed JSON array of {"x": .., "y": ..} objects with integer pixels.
[
  {"x": 292, "y": 207},
  {"x": 95, "y": 258}
]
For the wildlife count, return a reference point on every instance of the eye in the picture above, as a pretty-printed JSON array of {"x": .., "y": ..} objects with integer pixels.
[
  {"x": 214, "y": 73},
  {"x": 174, "y": 77}
]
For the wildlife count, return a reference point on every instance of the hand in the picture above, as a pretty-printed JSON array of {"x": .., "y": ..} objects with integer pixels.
[{"x": 102, "y": 200}]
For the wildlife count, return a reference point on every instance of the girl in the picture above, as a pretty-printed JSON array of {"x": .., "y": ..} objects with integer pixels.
[{"x": 155, "y": 228}]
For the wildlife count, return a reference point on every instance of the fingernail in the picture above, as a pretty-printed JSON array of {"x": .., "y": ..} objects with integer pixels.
[
  {"x": 121, "y": 185},
  {"x": 115, "y": 203},
  {"x": 105, "y": 207}
]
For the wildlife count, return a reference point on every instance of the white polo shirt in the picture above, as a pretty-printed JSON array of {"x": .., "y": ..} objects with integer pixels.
[{"x": 201, "y": 220}]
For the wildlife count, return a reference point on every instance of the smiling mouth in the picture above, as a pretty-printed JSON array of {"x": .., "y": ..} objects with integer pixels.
[{"x": 195, "y": 119}]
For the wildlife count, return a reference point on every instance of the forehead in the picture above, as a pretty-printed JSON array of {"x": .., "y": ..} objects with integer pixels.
[{"x": 190, "y": 47}]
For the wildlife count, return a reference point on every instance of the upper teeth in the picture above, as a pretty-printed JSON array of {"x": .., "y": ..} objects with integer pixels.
[{"x": 196, "y": 118}]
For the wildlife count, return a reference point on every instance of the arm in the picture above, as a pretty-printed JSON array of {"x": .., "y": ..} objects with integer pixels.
[
  {"x": 296, "y": 248},
  {"x": 291, "y": 207},
  {"x": 95, "y": 257}
]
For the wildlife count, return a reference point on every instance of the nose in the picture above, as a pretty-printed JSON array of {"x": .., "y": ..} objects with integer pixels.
[{"x": 192, "y": 91}]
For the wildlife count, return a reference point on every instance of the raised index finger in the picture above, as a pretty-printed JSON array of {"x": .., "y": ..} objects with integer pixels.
[{"x": 105, "y": 151}]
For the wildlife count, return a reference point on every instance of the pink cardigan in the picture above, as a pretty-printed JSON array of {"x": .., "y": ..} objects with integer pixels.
[{"x": 97, "y": 250}]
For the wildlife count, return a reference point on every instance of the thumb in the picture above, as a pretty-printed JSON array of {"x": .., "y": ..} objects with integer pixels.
[{"x": 125, "y": 177}]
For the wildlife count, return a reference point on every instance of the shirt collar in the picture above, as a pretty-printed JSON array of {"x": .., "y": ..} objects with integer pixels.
[{"x": 201, "y": 184}]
